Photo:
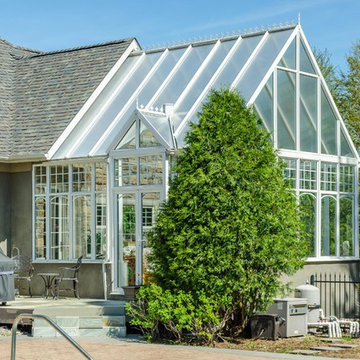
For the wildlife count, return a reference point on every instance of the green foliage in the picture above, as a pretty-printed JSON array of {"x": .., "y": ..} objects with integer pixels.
[
  {"x": 231, "y": 226},
  {"x": 349, "y": 102},
  {"x": 178, "y": 316}
]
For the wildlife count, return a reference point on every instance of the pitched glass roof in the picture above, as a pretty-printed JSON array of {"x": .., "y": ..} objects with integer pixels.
[{"x": 181, "y": 75}]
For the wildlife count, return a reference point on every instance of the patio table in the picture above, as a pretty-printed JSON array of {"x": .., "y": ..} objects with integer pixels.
[{"x": 48, "y": 278}]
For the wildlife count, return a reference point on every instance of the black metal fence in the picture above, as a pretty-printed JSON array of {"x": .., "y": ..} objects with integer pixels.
[{"x": 339, "y": 294}]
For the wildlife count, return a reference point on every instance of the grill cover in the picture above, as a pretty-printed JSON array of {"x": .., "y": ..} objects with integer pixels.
[{"x": 7, "y": 267}]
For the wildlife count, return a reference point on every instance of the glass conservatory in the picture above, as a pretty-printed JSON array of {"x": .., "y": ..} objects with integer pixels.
[{"x": 105, "y": 207}]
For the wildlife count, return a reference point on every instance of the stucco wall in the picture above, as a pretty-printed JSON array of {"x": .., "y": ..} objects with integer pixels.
[{"x": 5, "y": 213}]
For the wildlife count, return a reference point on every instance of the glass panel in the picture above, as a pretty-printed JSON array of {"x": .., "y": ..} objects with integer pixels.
[
  {"x": 59, "y": 228},
  {"x": 205, "y": 76},
  {"x": 147, "y": 139},
  {"x": 126, "y": 171},
  {"x": 328, "y": 226},
  {"x": 328, "y": 127},
  {"x": 305, "y": 63},
  {"x": 262, "y": 62},
  {"x": 82, "y": 174},
  {"x": 59, "y": 179},
  {"x": 290, "y": 171},
  {"x": 185, "y": 73},
  {"x": 160, "y": 75},
  {"x": 100, "y": 246},
  {"x": 237, "y": 61},
  {"x": 150, "y": 208},
  {"x": 308, "y": 216},
  {"x": 264, "y": 105},
  {"x": 286, "y": 113},
  {"x": 126, "y": 239},
  {"x": 346, "y": 178},
  {"x": 151, "y": 170},
  {"x": 328, "y": 177},
  {"x": 100, "y": 176},
  {"x": 82, "y": 226},
  {"x": 289, "y": 58},
  {"x": 308, "y": 175},
  {"x": 308, "y": 113},
  {"x": 128, "y": 141},
  {"x": 345, "y": 146},
  {"x": 40, "y": 228},
  {"x": 346, "y": 226},
  {"x": 40, "y": 179}
]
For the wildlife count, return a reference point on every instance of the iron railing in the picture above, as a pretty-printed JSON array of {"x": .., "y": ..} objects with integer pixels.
[
  {"x": 52, "y": 323},
  {"x": 339, "y": 294}
]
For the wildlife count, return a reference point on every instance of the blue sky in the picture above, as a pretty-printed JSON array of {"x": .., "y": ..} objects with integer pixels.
[{"x": 54, "y": 24}]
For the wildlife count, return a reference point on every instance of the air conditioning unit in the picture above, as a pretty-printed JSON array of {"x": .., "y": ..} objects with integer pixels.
[{"x": 265, "y": 326}]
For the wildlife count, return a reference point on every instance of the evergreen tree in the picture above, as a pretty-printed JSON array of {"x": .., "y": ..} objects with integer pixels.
[{"x": 230, "y": 226}]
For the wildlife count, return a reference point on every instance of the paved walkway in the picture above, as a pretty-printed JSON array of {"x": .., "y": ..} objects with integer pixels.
[{"x": 114, "y": 349}]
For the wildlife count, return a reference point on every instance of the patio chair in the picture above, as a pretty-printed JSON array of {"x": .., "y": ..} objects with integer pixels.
[
  {"x": 68, "y": 274},
  {"x": 24, "y": 270}
]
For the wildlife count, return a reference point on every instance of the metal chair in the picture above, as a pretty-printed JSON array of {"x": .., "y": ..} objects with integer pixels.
[
  {"x": 68, "y": 274},
  {"x": 24, "y": 270}
]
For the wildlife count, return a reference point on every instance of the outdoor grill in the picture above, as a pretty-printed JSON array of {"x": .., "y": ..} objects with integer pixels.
[{"x": 7, "y": 267}]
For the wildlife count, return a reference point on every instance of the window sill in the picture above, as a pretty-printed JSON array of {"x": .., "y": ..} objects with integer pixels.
[{"x": 331, "y": 259}]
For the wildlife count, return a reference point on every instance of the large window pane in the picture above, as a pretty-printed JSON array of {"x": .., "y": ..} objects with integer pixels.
[
  {"x": 328, "y": 127},
  {"x": 126, "y": 171},
  {"x": 81, "y": 174},
  {"x": 345, "y": 146},
  {"x": 328, "y": 176},
  {"x": 147, "y": 138},
  {"x": 59, "y": 228},
  {"x": 264, "y": 105},
  {"x": 308, "y": 216},
  {"x": 308, "y": 113},
  {"x": 129, "y": 139},
  {"x": 100, "y": 226},
  {"x": 346, "y": 226},
  {"x": 82, "y": 226},
  {"x": 308, "y": 175},
  {"x": 150, "y": 207},
  {"x": 289, "y": 58},
  {"x": 305, "y": 62},
  {"x": 286, "y": 113},
  {"x": 151, "y": 170},
  {"x": 328, "y": 226},
  {"x": 40, "y": 228},
  {"x": 126, "y": 239}
]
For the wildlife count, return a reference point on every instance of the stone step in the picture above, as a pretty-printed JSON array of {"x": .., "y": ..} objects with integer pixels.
[
  {"x": 96, "y": 326},
  {"x": 305, "y": 352},
  {"x": 326, "y": 348}
]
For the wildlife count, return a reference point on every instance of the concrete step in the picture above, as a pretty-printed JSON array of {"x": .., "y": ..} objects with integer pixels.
[{"x": 96, "y": 326}]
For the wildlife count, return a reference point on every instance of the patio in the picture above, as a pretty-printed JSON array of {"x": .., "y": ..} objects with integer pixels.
[{"x": 85, "y": 317}]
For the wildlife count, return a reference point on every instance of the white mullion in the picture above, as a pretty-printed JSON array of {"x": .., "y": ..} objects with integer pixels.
[
  {"x": 170, "y": 76},
  {"x": 33, "y": 251},
  {"x": 208, "y": 86},
  {"x": 138, "y": 237},
  {"x": 197, "y": 74},
  {"x": 297, "y": 95},
  {"x": 337, "y": 228},
  {"x": 319, "y": 139},
  {"x": 356, "y": 212},
  {"x": 318, "y": 210},
  {"x": 108, "y": 101},
  {"x": 249, "y": 60},
  {"x": 71, "y": 214},
  {"x": 297, "y": 178},
  {"x": 132, "y": 98},
  {"x": 47, "y": 213},
  {"x": 275, "y": 106},
  {"x": 93, "y": 217}
]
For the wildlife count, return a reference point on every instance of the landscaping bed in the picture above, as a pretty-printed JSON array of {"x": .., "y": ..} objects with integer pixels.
[{"x": 296, "y": 343}]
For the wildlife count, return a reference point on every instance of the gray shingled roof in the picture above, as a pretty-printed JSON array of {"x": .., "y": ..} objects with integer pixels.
[{"x": 40, "y": 93}]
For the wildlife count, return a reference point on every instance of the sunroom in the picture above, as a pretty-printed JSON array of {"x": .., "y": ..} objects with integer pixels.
[{"x": 99, "y": 193}]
